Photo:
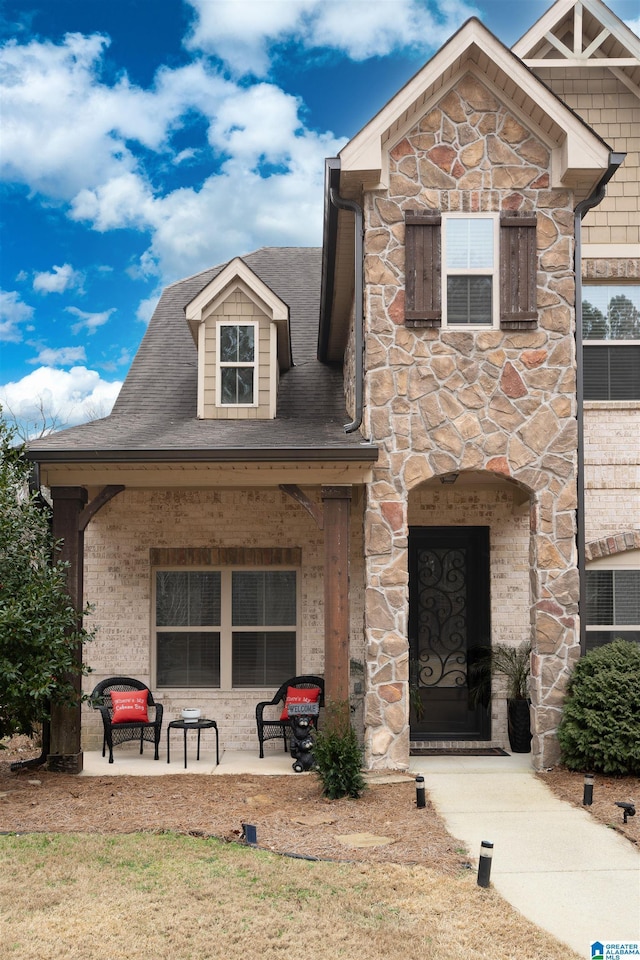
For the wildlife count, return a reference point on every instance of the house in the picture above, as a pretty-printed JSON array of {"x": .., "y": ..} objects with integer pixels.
[{"x": 372, "y": 459}]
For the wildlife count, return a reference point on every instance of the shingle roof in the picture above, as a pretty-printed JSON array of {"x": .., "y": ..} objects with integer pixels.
[{"x": 156, "y": 408}]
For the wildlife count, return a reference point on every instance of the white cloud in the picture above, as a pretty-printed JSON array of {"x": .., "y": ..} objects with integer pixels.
[
  {"x": 147, "y": 306},
  {"x": 58, "y": 280},
  {"x": 242, "y": 34},
  {"x": 60, "y": 356},
  {"x": 65, "y": 131},
  {"x": 268, "y": 191},
  {"x": 634, "y": 25},
  {"x": 122, "y": 201},
  {"x": 88, "y": 321},
  {"x": 13, "y": 312},
  {"x": 122, "y": 360},
  {"x": 68, "y": 397}
]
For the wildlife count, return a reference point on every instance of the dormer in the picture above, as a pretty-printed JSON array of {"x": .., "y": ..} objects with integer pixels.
[{"x": 241, "y": 332}]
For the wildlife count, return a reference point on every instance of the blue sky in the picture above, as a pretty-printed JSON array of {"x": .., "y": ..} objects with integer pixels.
[{"x": 145, "y": 140}]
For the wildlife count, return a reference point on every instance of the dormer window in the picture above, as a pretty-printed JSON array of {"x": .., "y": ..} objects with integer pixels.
[
  {"x": 237, "y": 352},
  {"x": 241, "y": 331}
]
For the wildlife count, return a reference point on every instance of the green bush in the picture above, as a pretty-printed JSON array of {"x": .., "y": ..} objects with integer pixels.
[
  {"x": 338, "y": 756},
  {"x": 600, "y": 726}
]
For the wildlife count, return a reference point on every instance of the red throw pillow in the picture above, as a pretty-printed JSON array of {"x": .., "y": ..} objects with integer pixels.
[
  {"x": 129, "y": 706},
  {"x": 297, "y": 695}
]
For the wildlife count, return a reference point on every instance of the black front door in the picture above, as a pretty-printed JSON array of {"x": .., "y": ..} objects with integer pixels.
[{"x": 448, "y": 626}]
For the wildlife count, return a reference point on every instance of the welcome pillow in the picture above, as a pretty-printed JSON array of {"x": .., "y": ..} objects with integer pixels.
[
  {"x": 130, "y": 706},
  {"x": 297, "y": 695}
]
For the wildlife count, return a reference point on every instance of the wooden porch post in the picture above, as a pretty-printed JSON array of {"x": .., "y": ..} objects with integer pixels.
[
  {"x": 68, "y": 503},
  {"x": 336, "y": 512}
]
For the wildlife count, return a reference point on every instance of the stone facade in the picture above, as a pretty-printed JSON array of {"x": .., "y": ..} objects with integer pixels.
[
  {"x": 499, "y": 405},
  {"x": 118, "y": 581}
]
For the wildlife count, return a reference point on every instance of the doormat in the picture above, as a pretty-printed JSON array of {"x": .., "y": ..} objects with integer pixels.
[{"x": 462, "y": 752}]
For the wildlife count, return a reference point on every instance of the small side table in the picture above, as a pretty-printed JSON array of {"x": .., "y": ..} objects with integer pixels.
[{"x": 185, "y": 726}]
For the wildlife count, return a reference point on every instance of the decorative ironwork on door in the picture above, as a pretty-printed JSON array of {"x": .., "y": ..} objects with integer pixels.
[
  {"x": 449, "y": 624},
  {"x": 442, "y": 618}
]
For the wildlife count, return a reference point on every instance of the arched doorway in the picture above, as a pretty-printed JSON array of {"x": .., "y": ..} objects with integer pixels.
[{"x": 469, "y": 587}]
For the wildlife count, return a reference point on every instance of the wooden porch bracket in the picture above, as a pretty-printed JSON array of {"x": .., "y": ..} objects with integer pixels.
[
  {"x": 106, "y": 494},
  {"x": 293, "y": 490}
]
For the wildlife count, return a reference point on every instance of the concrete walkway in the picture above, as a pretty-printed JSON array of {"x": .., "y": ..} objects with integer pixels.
[{"x": 552, "y": 861}]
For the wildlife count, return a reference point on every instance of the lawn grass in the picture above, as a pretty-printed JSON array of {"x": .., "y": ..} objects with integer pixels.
[{"x": 178, "y": 897}]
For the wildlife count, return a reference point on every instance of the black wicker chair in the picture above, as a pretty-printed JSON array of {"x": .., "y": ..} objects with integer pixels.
[
  {"x": 115, "y": 733},
  {"x": 274, "y": 728}
]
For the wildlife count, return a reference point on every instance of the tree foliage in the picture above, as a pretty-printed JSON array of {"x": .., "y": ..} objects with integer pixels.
[
  {"x": 622, "y": 320},
  {"x": 39, "y": 627},
  {"x": 600, "y": 726}
]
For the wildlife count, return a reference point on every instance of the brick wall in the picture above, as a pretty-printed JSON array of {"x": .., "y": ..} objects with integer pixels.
[{"x": 118, "y": 583}]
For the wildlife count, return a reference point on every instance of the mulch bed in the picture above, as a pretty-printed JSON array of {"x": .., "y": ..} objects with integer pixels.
[{"x": 290, "y": 813}]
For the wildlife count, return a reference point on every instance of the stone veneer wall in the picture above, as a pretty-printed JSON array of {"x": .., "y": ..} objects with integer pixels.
[
  {"x": 498, "y": 402},
  {"x": 118, "y": 583}
]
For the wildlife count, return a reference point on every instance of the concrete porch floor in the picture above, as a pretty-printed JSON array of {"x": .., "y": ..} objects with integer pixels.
[{"x": 128, "y": 762}]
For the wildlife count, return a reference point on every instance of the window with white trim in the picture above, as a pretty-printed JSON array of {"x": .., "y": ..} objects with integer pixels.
[
  {"x": 225, "y": 628},
  {"x": 611, "y": 341},
  {"x": 613, "y": 605},
  {"x": 470, "y": 275},
  {"x": 237, "y": 364},
  {"x": 471, "y": 271}
]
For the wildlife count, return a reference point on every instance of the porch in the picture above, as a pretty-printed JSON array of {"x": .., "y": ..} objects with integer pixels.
[{"x": 127, "y": 761}]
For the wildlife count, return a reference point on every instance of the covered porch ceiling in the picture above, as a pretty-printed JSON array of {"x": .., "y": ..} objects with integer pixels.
[{"x": 206, "y": 474}]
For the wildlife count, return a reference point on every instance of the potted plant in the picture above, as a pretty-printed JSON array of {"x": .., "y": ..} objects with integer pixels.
[{"x": 514, "y": 665}]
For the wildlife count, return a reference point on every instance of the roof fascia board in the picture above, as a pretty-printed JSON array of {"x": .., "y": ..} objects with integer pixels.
[
  {"x": 217, "y": 289},
  {"x": 606, "y": 17},
  {"x": 542, "y": 27},
  {"x": 364, "y": 453},
  {"x": 237, "y": 275},
  {"x": 579, "y": 146},
  {"x": 363, "y": 152}
]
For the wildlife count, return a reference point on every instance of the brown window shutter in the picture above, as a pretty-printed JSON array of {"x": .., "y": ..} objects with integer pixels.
[
  {"x": 518, "y": 271},
  {"x": 423, "y": 304}
]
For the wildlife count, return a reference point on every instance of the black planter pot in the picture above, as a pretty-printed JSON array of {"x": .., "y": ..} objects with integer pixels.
[{"x": 519, "y": 725}]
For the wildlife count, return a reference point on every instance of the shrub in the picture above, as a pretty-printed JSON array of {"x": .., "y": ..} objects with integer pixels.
[
  {"x": 40, "y": 634},
  {"x": 600, "y": 726},
  {"x": 338, "y": 755}
]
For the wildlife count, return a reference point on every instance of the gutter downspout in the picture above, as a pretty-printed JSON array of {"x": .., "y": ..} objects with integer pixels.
[
  {"x": 343, "y": 204},
  {"x": 581, "y": 210}
]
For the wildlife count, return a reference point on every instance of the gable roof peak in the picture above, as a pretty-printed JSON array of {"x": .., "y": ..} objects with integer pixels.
[
  {"x": 582, "y": 33},
  {"x": 579, "y": 154}
]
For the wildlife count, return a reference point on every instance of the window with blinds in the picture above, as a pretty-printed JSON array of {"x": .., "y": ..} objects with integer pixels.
[
  {"x": 613, "y": 606},
  {"x": 188, "y": 613},
  {"x": 471, "y": 270},
  {"x": 263, "y": 606},
  {"x": 611, "y": 341},
  {"x": 470, "y": 257},
  {"x": 225, "y": 628}
]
